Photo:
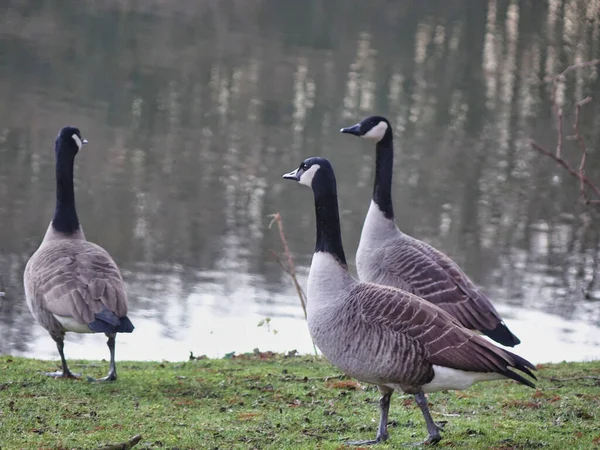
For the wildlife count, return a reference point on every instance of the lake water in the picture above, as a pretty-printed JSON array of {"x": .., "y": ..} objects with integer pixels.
[{"x": 194, "y": 110}]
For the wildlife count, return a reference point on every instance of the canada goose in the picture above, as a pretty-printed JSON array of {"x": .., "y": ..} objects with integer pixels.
[
  {"x": 72, "y": 284},
  {"x": 387, "y": 256},
  {"x": 383, "y": 335}
]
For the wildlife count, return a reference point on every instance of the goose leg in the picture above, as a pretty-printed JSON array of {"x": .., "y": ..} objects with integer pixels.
[
  {"x": 433, "y": 430},
  {"x": 66, "y": 373},
  {"x": 384, "y": 407},
  {"x": 112, "y": 372}
]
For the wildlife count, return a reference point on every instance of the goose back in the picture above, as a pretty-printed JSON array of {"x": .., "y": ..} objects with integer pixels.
[
  {"x": 68, "y": 281},
  {"x": 387, "y": 256}
]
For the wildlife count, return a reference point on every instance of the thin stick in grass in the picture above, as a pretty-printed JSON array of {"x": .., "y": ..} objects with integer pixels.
[{"x": 289, "y": 268}]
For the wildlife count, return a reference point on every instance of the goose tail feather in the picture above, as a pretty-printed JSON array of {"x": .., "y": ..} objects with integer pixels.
[
  {"x": 522, "y": 365},
  {"x": 108, "y": 322},
  {"x": 502, "y": 335}
]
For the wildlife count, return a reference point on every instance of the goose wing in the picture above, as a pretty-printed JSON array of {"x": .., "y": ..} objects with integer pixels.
[
  {"x": 436, "y": 278},
  {"x": 79, "y": 279},
  {"x": 433, "y": 334}
]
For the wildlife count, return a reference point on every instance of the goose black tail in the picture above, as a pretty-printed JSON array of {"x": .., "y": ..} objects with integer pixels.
[
  {"x": 125, "y": 326},
  {"x": 502, "y": 335},
  {"x": 524, "y": 366},
  {"x": 108, "y": 322}
]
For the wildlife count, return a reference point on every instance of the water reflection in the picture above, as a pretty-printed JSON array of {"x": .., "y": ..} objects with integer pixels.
[{"x": 194, "y": 110}]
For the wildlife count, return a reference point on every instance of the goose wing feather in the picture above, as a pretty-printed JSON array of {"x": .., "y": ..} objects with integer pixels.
[
  {"x": 424, "y": 326},
  {"x": 436, "y": 278},
  {"x": 78, "y": 279}
]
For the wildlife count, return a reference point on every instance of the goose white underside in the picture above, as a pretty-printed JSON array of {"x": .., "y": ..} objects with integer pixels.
[
  {"x": 446, "y": 378},
  {"x": 70, "y": 324},
  {"x": 327, "y": 281}
]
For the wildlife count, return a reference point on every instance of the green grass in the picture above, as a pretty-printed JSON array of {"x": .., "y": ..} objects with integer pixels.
[{"x": 274, "y": 402}]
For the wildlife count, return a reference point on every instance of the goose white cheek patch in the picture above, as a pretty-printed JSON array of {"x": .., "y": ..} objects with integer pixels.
[
  {"x": 307, "y": 177},
  {"x": 377, "y": 132},
  {"x": 77, "y": 141}
]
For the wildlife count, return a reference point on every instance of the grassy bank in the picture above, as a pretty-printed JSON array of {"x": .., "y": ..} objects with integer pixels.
[{"x": 277, "y": 402}]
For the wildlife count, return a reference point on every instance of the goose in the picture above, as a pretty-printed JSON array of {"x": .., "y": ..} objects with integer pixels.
[
  {"x": 388, "y": 256},
  {"x": 72, "y": 284},
  {"x": 383, "y": 335}
]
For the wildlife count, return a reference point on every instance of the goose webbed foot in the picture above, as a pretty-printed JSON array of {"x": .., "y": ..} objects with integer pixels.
[
  {"x": 112, "y": 373},
  {"x": 63, "y": 374},
  {"x": 370, "y": 442},
  {"x": 384, "y": 408},
  {"x": 431, "y": 440},
  {"x": 112, "y": 376}
]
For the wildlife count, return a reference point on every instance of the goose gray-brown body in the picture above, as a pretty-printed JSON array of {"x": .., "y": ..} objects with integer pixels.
[
  {"x": 384, "y": 335},
  {"x": 72, "y": 284},
  {"x": 69, "y": 280},
  {"x": 387, "y": 256},
  {"x": 389, "y": 337}
]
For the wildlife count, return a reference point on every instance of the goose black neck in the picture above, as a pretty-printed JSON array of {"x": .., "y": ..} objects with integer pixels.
[
  {"x": 65, "y": 217},
  {"x": 329, "y": 236},
  {"x": 384, "y": 166}
]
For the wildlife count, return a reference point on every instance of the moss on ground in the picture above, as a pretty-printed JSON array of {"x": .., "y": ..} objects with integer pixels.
[{"x": 268, "y": 401}]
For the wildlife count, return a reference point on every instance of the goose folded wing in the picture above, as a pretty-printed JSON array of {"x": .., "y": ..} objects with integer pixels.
[
  {"x": 442, "y": 339},
  {"x": 82, "y": 284},
  {"x": 436, "y": 278}
]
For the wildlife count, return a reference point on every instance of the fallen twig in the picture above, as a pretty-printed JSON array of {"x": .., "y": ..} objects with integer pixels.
[
  {"x": 555, "y": 379},
  {"x": 327, "y": 378},
  {"x": 311, "y": 434},
  {"x": 578, "y": 173},
  {"x": 123, "y": 445}
]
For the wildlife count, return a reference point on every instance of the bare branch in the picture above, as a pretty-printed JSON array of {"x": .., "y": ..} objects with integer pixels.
[
  {"x": 594, "y": 62},
  {"x": 557, "y": 155},
  {"x": 563, "y": 163}
]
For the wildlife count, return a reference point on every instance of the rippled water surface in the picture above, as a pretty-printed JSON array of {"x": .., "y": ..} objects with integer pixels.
[{"x": 194, "y": 109}]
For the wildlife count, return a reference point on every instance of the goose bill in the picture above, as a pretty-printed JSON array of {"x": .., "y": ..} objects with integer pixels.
[
  {"x": 293, "y": 175},
  {"x": 354, "y": 129}
]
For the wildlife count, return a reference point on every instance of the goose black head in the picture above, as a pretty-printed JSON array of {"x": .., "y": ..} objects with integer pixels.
[
  {"x": 69, "y": 138},
  {"x": 373, "y": 127},
  {"x": 311, "y": 172}
]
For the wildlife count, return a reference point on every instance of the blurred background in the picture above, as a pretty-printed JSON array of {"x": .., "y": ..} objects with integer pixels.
[{"x": 194, "y": 110}]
